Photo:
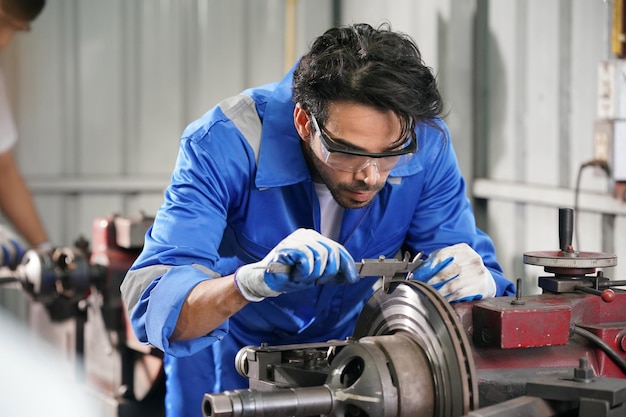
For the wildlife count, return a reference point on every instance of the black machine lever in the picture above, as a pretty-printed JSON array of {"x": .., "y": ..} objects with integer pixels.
[{"x": 566, "y": 229}]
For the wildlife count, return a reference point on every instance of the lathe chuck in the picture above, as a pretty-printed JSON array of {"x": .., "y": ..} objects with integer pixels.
[{"x": 420, "y": 313}]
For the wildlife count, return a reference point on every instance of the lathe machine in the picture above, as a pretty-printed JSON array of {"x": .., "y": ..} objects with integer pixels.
[{"x": 560, "y": 353}]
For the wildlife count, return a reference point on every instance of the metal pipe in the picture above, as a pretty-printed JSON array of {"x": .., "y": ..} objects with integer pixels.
[
  {"x": 98, "y": 185},
  {"x": 546, "y": 196}
]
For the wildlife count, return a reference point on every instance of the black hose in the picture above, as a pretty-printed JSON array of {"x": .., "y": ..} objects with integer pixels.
[{"x": 611, "y": 353}]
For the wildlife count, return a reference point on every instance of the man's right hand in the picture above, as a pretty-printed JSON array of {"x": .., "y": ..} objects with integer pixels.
[
  {"x": 315, "y": 259},
  {"x": 11, "y": 251}
]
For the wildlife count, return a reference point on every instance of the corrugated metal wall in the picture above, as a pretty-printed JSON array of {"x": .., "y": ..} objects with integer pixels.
[{"x": 103, "y": 89}]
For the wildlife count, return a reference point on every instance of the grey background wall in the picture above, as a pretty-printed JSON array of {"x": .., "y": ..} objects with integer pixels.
[{"x": 103, "y": 89}]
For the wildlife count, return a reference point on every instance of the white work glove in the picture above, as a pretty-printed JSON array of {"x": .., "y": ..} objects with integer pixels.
[
  {"x": 458, "y": 273},
  {"x": 316, "y": 260},
  {"x": 11, "y": 251}
]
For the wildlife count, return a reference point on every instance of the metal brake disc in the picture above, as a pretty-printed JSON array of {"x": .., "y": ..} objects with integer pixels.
[{"x": 416, "y": 310}]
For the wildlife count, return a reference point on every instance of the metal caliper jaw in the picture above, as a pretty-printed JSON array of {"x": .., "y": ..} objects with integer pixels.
[{"x": 388, "y": 269}]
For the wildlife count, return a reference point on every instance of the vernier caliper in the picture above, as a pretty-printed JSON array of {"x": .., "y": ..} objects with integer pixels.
[{"x": 385, "y": 268}]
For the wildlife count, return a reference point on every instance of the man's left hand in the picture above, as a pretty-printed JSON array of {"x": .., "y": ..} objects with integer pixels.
[{"x": 458, "y": 273}]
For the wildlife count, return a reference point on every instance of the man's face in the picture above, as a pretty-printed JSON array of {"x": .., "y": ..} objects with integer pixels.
[
  {"x": 9, "y": 25},
  {"x": 353, "y": 180}
]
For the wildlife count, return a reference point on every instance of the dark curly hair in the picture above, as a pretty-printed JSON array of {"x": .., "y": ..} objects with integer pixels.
[
  {"x": 26, "y": 10},
  {"x": 375, "y": 67}
]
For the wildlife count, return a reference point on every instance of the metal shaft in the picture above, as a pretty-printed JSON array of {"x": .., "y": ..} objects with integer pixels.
[{"x": 296, "y": 402}]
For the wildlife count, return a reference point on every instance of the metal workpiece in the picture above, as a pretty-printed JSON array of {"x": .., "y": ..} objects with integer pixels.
[
  {"x": 416, "y": 309},
  {"x": 56, "y": 273}
]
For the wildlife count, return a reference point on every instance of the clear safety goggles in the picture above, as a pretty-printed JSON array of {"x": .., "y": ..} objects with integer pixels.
[{"x": 351, "y": 160}]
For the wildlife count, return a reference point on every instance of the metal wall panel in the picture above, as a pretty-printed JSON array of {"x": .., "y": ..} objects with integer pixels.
[{"x": 541, "y": 111}]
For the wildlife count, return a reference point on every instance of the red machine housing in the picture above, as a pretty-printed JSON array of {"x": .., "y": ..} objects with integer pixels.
[
  {"x": 123, "y": 371},
  {"x": 518, "y": 339}
]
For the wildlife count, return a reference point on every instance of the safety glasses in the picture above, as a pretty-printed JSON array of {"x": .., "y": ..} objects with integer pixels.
[{"x": 350, "y": 160}]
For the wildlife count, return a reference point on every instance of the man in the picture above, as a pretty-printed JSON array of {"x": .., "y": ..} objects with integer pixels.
[
  {"x": 16, "y": 202},
  {"x": 345, "y": 158}
]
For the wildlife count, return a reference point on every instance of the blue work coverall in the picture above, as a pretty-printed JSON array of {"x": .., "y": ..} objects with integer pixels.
[{"x": 241, "y": 185}]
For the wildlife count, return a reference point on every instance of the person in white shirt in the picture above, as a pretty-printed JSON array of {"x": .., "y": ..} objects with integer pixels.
[{"x": 16, "y": 202}]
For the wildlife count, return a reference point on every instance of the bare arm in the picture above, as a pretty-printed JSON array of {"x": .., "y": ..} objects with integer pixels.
[
  {"x": 16, "y": 202},
  {"x": 208, "y": 305}
]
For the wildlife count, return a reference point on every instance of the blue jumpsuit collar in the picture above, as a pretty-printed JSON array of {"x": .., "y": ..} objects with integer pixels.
[{"x": 281, "y": 161}]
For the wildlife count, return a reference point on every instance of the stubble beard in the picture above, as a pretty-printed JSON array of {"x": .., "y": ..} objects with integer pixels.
[{"x": 340, "y": 190}]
